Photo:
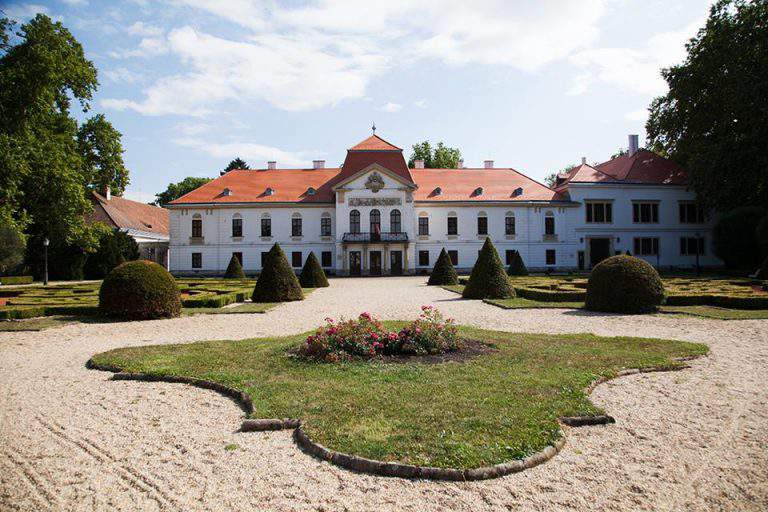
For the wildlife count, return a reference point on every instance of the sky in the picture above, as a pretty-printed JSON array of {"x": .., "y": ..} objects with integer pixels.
[{"x": 536, "y": 86}]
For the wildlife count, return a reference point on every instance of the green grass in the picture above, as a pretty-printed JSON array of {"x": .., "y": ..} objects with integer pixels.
[
  {"x": 521, "y": 303},
  {"x": 36, "y": 324},
  {"x": 486, "y": 410},
  {"x": 717, "y": 313}
]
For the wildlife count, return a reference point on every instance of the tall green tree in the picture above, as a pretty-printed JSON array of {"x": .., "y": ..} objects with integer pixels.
[
  {"x": 714, "y": 119},
  {"x": 439, "y": 157},
  {"x": 176, "y": 190},
  {"x": 237, "y": 163},
  {"x": 102, "y": 151}
]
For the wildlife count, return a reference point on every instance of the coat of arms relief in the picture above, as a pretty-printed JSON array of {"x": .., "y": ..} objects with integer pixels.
[{"x": 374, "y": 182}]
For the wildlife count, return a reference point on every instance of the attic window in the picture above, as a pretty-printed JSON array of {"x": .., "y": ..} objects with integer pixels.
[
  {"x": 270, "y": 191},
  {"x": 478, "y": 191},
  {"x": 517, "y": 192},
  {"x": 437, "y": 192},
  {"x": 226, "y": 192},
  {"x": 311, "y": 191}
]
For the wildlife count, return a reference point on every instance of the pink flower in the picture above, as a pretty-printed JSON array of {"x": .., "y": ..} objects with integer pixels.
[
  {"x": 310, "y": 339},
  {"x": 374, "y": 336},
  {"x": 329, "y": 319},
  {"x": 366, "y": 315},
  {"x": 426, "y": 308},
  {"x": 392, "y": 336}
]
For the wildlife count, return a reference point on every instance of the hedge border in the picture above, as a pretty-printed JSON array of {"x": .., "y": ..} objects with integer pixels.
[
  {"x": 381, "y": 468},
  {"x": 15, "y": 280}
]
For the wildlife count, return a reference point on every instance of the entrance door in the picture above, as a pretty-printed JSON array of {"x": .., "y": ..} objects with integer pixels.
[
  {"x": 599, "y": 249},
  {"x": 355, "y": 263},
  {"x": 396, "y": 262},
  {"x": 375, "y": 263}
]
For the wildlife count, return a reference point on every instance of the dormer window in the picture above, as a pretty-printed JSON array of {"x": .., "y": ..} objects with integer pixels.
[
  {"x": 478, "y": 191},
  {"x": 437, "y": 192},
  {"x": 270, "y": 191},
  {"x": 311, "y": 191},
  {"x": 517, "y": 192},
  {"x": 226, "y": 192}
]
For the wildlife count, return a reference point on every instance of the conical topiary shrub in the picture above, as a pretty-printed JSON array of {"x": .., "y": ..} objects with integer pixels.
[
  {"x": 516, "y": 266},
  {"x": 277, "y": 281},
  {"x": 488, "y": 280},
  {"x": 234, "y": 269},
  {"x": 443, "y": 273},
  {"x": 312, "y": 275}
]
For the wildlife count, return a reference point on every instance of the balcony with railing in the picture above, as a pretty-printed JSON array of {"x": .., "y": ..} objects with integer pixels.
[{"x": 375, "y": 238}]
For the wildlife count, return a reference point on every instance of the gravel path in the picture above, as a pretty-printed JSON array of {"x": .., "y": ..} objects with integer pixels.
[{"x": 71, "y": 439}]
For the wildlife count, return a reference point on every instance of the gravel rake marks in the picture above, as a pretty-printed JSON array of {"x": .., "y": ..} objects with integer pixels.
[{"x": 42, "y": 488}]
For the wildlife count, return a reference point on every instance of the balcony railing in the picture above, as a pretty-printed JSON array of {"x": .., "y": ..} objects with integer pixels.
[{"x": 367, "y": 238}]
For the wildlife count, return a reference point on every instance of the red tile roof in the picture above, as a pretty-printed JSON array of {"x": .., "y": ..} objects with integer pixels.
[
  {"x": 374, "y": 143},
  {"x": 644, "y": 167},
  {"x": 126, "y": 214},
  {"x": 497, "y": 185}
]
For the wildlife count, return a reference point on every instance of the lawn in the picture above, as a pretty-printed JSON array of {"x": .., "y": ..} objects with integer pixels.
[
  {"x": 486, "y": 410},
  {"x": 36, "y": 324},
  {"x": 717, "y": 313}
]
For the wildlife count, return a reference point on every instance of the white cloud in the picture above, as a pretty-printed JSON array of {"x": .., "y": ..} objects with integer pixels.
[
  {"x": 121, "y": 75},
  {"x": 148, "y": 47},
  {"x": 420, "y": 103},
  {"x": 145, "y": 30},
  {"x": 24, "y": 12},
  {"x": 75, "y": 2},
  {"x": 137, "y": 195},
  {"x": 247, "y": 150},
  {"x": 635, "y": 70},
  {"x": 248, "y": 13},
  {"x": 391, "y": 107},
  {"x": 191, "y": 129},
  {"x": 637, "y": 115}
]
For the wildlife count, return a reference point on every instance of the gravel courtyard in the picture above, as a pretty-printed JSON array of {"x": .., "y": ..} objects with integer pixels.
[{"x": 71, "y": 439}]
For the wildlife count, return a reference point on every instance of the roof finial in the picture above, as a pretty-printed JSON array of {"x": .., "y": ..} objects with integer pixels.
[{"x": 374, "y": 127}]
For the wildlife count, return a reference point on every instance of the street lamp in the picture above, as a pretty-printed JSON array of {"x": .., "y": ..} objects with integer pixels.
[
  {"x": 45, "y": 259},
  {"x": 698, "y": 250}
]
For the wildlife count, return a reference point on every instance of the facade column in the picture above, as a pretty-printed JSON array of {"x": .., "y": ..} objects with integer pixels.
[
  {"x": 385, "y": 266},
  {"x": 405, "y": 259},
  {"x": 366, "y": 266}
]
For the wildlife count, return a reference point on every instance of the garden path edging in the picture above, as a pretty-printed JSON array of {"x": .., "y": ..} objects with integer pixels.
[{"x": 381, "y": 468}]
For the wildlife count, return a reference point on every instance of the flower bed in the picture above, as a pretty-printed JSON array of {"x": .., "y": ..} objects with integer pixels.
[{"x": 366, "y": 337}]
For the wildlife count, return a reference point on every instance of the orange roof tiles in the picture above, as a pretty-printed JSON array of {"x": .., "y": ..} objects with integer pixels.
[
  {"x": 374, "y": 143},
  {"x": 124, "y": 213},
  {"x": 497, "y": 184},
  {"x": 644, "y": 167}
]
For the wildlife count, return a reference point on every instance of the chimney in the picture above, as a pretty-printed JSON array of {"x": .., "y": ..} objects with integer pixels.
[
  {"x": 460, "y": 164},
  {"x": 418, "y": 164},
  {"x": 107, "y": 193},
  {"x": 271, "y": 165},
  {"x": 488, "y": 164},
  {"x": 318, "y": 164},
  {"x": 583, "y": 160},
  {"x": 632, "y": 149}
]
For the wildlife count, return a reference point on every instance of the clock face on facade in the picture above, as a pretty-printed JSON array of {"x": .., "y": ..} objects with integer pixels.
[{"x": 375, "y": 182}]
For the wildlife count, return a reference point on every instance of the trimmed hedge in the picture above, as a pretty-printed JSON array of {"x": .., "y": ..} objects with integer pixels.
[
  {"x": 234, "y": 269},
  {"x": 722, "y": 301},
  {"x": 10, "y": 280},
  {"x": 277, "y": 282},
  {"x": 517, "y": 266},
  {"x": 624, "y": 284},
  {"x": 443, "y": 273},
  {"x": 551, "y": 295},
  {"x": 488, "y": 280},
  {"x": 139, "y": 290},
  {"x": 312, "y": 275},
  {"x": 215, "y": 300}
]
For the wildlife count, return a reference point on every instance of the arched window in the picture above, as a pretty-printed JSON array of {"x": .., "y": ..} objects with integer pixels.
[
  {"x": 509, "y": 224},
  {"x": 375, "y": 221},
  {"x": 197, "y": 226},
  {"x": 549, "y": 223},
  {"x": 395, "y": 224},
  {"x": 354, "y": 221},
  {"x": 482, "y": 223},
  {"x": 237, "y": 225}
]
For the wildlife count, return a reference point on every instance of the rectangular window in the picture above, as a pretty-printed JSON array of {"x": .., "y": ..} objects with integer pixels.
[
  {"x": 645, "y": 213},
  {"x": 197, "y": 260},
  {"x": 509, "y": 225},
  {"x": 689, "y": 246},
  {"x": 327, "y": 259},
  {"x": 197, "y": 228},
  {"x": 296, "y": 259},
  {"x": 266, "y": 227},
  {"x": 423, "y": 258},
  {"x": 454, "y": 255},
  {"x": 691, "y": 213},
  {"x": 239, "y": 257},
  {"x": 264, "y": 256},
  {"x": 509, "y": 254},
  {"x": 296, "y": 227},
  {"x": 551, "y": 257},
  {"x": 646, "y": 246},
  {"x": 423, "y": 226},
  {"x": 237, "y": 227},
  {"x": 482, "y": 225},
  {"x": 453, "y": 226},
  {"x": 599, "y": 213},
  {"x": 549, "y": 225},
  {"x": 325, "y": 226}
]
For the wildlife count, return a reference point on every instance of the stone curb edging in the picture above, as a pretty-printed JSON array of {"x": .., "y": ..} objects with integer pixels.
[{"x": 381, "y": 468}]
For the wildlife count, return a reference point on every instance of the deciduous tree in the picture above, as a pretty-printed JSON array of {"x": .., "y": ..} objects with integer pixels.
[{"x": 176, "y": 190}]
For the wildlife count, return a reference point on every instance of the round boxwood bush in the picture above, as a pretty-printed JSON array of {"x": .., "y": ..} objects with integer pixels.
[
  {"x": 516, "y": 266},
  {"x": 624, "y": 284},
  {"x": 312, "y": 275},
  {"x": 277, "y": 282},
  {"x": 443, "y": 274},
  {"x": 488, "y": 280},
  {"x": 139, "y": 290},
  {"x": 234, "y": 269}
]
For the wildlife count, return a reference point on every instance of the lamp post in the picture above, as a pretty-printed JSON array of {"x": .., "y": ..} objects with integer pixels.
[
  {"x": 45, "y": 260},
  {"x": 698, "y": 250}
]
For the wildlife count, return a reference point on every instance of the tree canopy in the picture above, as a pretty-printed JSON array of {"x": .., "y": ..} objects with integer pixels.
[
  {"x": 176, "y": 190},
  {"x": 439, "y": 157},
  {"x": 102, "y": 151},
  {"x": 237, "y": 163},
  {"x": 714, "y": 119}
]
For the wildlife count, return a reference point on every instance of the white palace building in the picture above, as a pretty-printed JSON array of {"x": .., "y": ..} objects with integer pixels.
[{"x": 375, "y": 216}]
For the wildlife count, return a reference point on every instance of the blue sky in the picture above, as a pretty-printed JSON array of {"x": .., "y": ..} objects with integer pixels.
[{"x": 532, "y": 85}]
